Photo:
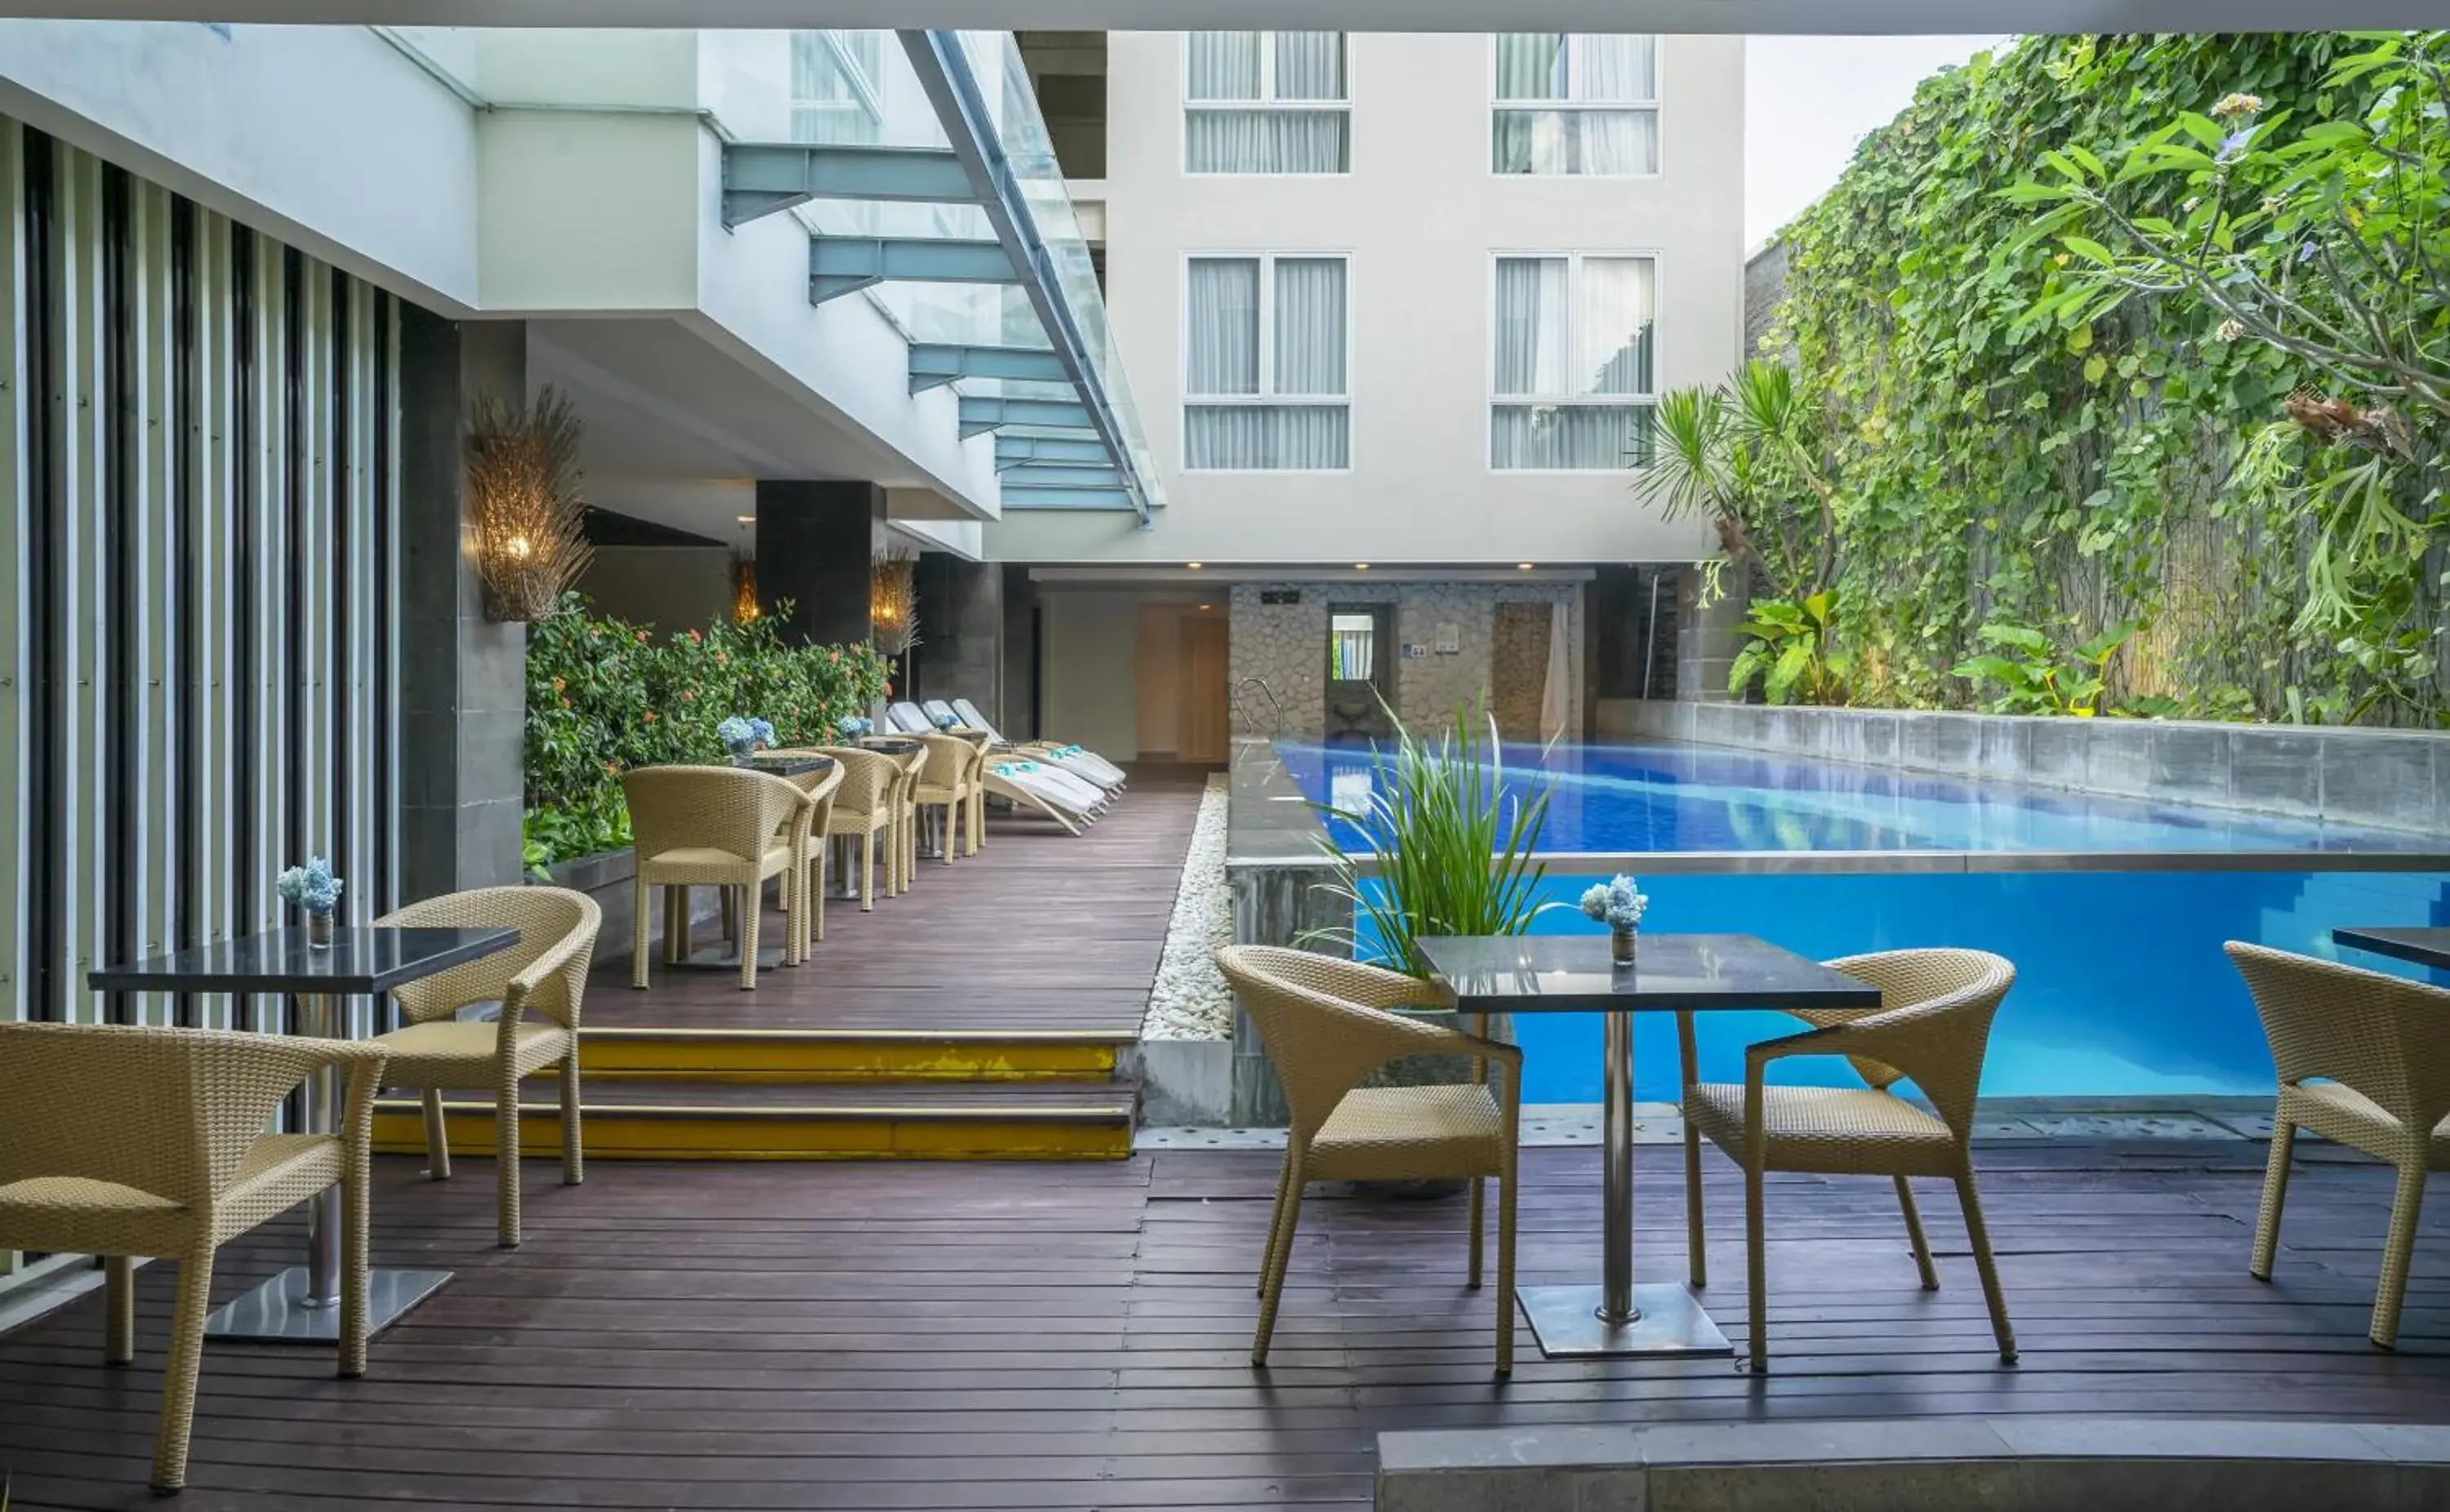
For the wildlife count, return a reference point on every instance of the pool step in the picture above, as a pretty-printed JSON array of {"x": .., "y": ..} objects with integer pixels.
[
  {"x": 812, "y": 1056},
  {"x": 638, "y": 1119}
]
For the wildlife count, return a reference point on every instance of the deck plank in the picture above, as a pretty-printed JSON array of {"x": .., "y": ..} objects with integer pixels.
[{"x": 954, "y": 1337}]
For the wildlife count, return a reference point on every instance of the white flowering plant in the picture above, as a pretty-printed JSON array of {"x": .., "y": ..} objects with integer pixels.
[
  {"x": 312, "y": 887},
  {"x": 1619, "y": 903},
  {"x": 741, "y": 735}
]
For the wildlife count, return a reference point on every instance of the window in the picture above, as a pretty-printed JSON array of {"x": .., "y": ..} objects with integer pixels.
[
  {"x": 1351, "y": 647},
  {"x": 833, "y": 87},
  {"x": 1265, "y": 102},
  {"x": 1571, "y": 377},
  {"x": 1264, "y": 383},
  {"x": 1597, "y": 109}
]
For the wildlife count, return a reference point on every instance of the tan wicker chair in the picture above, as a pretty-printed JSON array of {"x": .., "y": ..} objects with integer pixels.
[
  {"x": 863, "y": 807},
  {"x": 901, "y": 857},
  {"x": 943, "y": 783},
  {"x": 540, "y": 983},
  {"x": 2380, "y": 1046},
  {"x": 129, "y": 1142},
  {"x": 714, "y": 826},
  {"x": 1324, "y": 1024},
  {"x": 820, "y": 787},
  {"x": 1933, "y": 1026}
]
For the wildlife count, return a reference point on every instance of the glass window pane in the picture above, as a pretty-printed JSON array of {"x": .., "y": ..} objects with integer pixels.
[
  {"x": 1534, "y": 437},
  {"x": 1351, "y": 647},
  {"x": 1530, "y": 355},
  {"x": 1310, "y": 64},
  {"x": 1594, "y": 141},
  {"x": 1612, "y": 66},
  {"x": 1265, "y": 142},
  {"x": 1310, "y": 325},
  {"x": 1266, "y": 437},
  {"x": 1223, "y": 66},
  {"x": 1221, "y": 326},
  {"x": 1619, "y": 298},
  {"x": 1531, "y": 66}
]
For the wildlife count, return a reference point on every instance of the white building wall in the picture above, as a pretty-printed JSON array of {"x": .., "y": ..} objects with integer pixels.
[{"x": 1421, "y": 216}]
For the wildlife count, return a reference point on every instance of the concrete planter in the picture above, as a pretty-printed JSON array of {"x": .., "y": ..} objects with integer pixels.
[
  {"x": 608, "y": 876},
  {"x": 2382, "y": 778}
]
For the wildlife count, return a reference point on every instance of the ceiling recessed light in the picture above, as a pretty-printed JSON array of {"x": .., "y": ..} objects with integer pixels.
[
  {"x": 748, "y": 519},
  {"x": 1205, "y": 608},
  {"x": 1195, "y": 566},
  {"x": 1361, "y": 567},
  {"x": 1523, "y": 567}
]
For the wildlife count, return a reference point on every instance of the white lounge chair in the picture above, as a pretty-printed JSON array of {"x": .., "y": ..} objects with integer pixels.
[
  {"x": 1081, "y": 762},
  {"x": 1028, "y": 783},
  {"x": 1053, "y": 781}
]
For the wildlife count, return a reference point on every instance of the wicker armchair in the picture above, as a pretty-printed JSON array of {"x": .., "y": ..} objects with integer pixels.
[
  {"x": 129, "y": 1142},
  {"x": 820, "y": 787},
  {"x": 943, "y": 783},
  {"x": 863, "y": 807},
  {"x": 2380, "y": 1046},
  {"x": 1933, "y": 1025},
  {"x": 719, "y": 827},
  {"x": 903, "y": 852},
  {"x": 1324, "y": 1024},
  {"x": 539, "y": 983}
]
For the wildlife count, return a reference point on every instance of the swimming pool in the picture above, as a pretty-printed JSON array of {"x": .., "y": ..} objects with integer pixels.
[{"x": 2113, "y": 910}]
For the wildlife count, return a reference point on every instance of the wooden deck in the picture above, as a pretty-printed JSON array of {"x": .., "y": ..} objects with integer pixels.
[
  {"x": 1039, "y": 931},
  {"x": 957, "y": 1336}
]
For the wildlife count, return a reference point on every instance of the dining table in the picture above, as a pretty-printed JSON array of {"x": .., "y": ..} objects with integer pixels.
[
  {"x": 302, "y": 1305},
  {"x": 1671, "y": 973}
]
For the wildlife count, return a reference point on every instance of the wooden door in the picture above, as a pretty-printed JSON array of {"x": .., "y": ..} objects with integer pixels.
[{"x": 1205, "y": 724}]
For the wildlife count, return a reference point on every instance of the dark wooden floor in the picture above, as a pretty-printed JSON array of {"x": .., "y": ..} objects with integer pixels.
[
  {"x": 1073, "y": 1336},
  {"x": 1040, "y": 930}
]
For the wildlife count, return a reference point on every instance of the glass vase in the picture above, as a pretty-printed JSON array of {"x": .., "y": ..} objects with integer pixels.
[
  {"x": 1623, "y": 945},
  {"x": 319, "y": 931}
]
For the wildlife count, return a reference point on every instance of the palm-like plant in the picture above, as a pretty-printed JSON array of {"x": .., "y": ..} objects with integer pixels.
[
  {"x": 1446, "y": 847},
  {"x": 1748, "y": 455}
]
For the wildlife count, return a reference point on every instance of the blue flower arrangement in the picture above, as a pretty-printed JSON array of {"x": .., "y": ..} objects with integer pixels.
[
  {"x": 743, "y": 736},
  {"x": 853, "y": 726},
  {"x": 945, "y": 722},
  {"x": 1617, "y": 902},
  {"x": 312, "y": 887}
]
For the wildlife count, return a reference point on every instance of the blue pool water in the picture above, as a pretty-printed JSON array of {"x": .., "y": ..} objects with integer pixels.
[{"x": 2122, "y": 988}]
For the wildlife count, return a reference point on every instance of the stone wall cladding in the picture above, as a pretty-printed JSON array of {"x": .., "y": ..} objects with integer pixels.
[
  {"x": 2386, "y": 779},
  {"x": 1286, "y": 644}
]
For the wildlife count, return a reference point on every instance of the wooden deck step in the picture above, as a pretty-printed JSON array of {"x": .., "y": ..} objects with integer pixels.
[
  {"x": 810, "y": 1056},
  {"x": 636, "y": 1120}
]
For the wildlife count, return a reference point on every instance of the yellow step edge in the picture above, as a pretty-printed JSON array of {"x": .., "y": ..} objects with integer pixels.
[
  {"x": 794, "y": 1059},
  {"x": 699, "y": 1134}
]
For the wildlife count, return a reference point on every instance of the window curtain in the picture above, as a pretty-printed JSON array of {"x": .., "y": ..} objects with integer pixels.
[
  {"x": 1574, "y": 142},
  {"x": 1266, "y": 437},
  {"x": 1531, "y": 334},
  {"x": 1612, "y": 66},
  {"x": 1258, "y": 141},
  {"x": 1310, "y": 64},
  {"x": 1222, "y": 312},
  {"x": 1619, "y": 295},
  {"x": 1310, "y": 325},
  {"x": 1223, "y": 66},
  {"x": 1559, "y": 438},
  {"x": 1531, "y": 66},
  {"x": 1599, "y": 69}
]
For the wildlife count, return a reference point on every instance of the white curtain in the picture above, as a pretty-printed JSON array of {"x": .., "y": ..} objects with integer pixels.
[
  {"x": 1555, "y": 437},
  {"x": 1532, "y": 335},
  {"x": 1553, "y": 694},
  {"x": 1574, "y": 142},
  {"x": 1531, "y": 66},
  {"x": 1619, "y": 297},
  {"x": 1221, "y": 304},
  {"x": 1310, "y": 64},
  {"x": 1223, "y": 66},
  {"x": 1613, "y": 67},
  {"x": 1266, "y": 437},
  {"x": 1310, "y": 325},
  {"x": 1261, "y": 141},
  {"x": 1581, "y": 67}
]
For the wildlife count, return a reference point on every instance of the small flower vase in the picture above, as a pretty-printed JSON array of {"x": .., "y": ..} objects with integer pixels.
[
  {"x": 1623, "y": 945},
  {"x": 743, "y": 758},
  {"x": 319, "y": 931}
]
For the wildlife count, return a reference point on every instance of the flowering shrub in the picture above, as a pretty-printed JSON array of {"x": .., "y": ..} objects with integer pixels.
[{"x": 605, "y": 696}]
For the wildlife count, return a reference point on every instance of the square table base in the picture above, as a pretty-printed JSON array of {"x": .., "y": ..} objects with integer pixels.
[
  {"x": 276, "y": 1313},
  {"x": 726, "y": 956},
  {"x": 1566, "y": 1322}
]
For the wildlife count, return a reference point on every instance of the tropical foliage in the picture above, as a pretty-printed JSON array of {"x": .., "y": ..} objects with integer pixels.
[
  {"x": 2182, "y": 376},
  {"x": 1443, "y": 846},
  {"x": 605, "y": 695},
  {"x": 2026, "y": 674},
  {"x": 1792, "y": 650}
]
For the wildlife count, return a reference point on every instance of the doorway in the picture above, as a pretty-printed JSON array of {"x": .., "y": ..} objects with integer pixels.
[{"x": 1360, "y": 686}]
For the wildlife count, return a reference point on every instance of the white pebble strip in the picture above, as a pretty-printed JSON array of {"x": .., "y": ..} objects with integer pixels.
[{"x": 1191, "y": 999}]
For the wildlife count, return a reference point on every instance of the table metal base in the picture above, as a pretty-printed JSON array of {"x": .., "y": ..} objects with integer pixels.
[
  {"x": 1671, "y": 1324},
  {"x": 276, "y": 1313},
  {"x": 726, "y": 956}
]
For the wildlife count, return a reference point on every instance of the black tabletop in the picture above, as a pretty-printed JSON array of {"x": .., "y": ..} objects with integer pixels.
[
  {"x": 1573, "y": 974},
  {"x": 2426, "y": 947},
  {"x": 891, "y": 744},
  {"x": 360, "y": 961},
  {"x": 793, "y": 765}
]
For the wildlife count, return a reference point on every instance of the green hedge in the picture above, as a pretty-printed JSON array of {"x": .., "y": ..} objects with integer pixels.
[
  {"x": 605, "y": 695},
  {"x": 1999, "y": 469}
]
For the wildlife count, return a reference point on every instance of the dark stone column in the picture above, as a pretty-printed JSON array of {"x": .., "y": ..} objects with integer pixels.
[
  {"x": 463, "y": 679},
  {"x": 1017, "y": 715},
  {"x": 814, "y": 543},
  {"x": 961, "y": 632}
]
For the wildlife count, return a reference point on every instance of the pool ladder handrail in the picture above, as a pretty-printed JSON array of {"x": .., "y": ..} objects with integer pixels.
[{"x": 1241, "y": 716}]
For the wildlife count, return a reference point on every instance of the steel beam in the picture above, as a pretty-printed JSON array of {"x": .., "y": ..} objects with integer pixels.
[
  {"x": 845, "y": 264},
  {"x": 764, "y": 178},
  {"x": 1043, "y": 475},
  {"x": 1019, "y": 450},
  {"x": 933, "y": 366},
  {"x": 1116, "y": 499},
  {"x": 1056, "y": 414}
]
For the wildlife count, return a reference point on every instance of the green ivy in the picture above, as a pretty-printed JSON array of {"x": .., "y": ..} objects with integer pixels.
[
  {"x": 605, "y": 696},
  {"x": 2068, "y": 478}
]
